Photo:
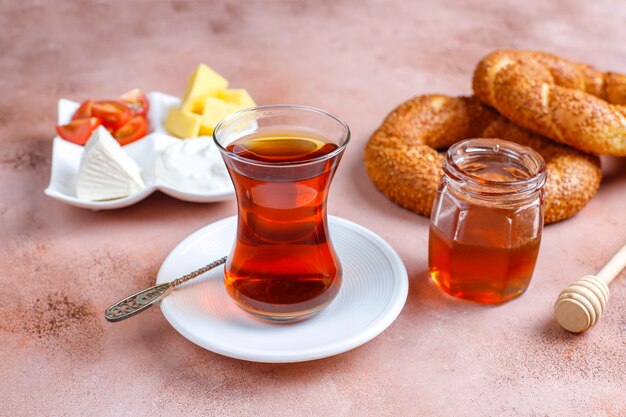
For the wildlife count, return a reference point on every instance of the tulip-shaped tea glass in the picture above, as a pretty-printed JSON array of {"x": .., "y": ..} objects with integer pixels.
[{"x": 281, "y": 160}]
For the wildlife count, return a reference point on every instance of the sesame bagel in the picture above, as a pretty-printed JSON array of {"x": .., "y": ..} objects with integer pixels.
[
  {"x": 570, "y": 103},
  {"x": 403, "y": 160}
]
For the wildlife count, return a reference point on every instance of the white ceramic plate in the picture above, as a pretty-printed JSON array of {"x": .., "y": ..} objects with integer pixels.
[
  {"x": 373, "y": 292},
  {"x": 66, "y": 160}
]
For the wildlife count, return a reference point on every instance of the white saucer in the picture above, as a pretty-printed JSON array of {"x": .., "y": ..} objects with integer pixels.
[{"x": 373, "y": 292}]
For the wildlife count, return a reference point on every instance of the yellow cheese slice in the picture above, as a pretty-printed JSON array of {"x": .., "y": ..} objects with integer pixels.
[
  {"x": 214, "y": 111},
  {"x": 196, "y": 104},
  {"x": 237, "y": 96},
  {"x": 202, "y": 81},
  {"x": 183, "y": 123}
]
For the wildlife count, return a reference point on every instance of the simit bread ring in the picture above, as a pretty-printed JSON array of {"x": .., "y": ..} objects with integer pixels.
[
  {"x": 568, "y": 102},
  {"x": 402, "y": 160}
]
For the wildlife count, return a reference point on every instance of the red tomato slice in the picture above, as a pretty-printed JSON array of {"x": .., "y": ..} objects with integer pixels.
[
  {"x": 84, "y": 110},
  {"x": 135, "y": 129},
  {"x": 136, "y": 101},
  {"x": 114, "y": 113},
  {"x": 78, "y": 131}
]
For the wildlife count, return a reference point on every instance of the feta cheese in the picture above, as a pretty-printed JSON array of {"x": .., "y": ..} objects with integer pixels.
[{"x": 106, "y": 172}]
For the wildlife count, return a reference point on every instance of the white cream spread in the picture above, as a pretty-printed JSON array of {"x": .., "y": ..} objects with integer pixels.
[
  {"x": 193, "y": 165},
  {"x": 106, "y": 172}
]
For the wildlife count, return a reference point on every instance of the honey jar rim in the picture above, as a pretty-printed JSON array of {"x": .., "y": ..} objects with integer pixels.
[{"x": 523, "y": 156}]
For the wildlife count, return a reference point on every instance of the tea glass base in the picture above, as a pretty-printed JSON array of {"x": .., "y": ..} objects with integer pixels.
[{"x": 284, "y": 318}]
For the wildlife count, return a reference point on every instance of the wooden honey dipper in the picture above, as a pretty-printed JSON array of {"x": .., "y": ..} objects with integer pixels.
[{"x": 582, "y": 303}]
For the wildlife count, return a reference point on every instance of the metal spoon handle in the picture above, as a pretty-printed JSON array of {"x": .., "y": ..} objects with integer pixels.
[
  {"x": 137, "y": 302},
  {"x": 198, "y": 271},
  {"x": 143, "y": 299}
]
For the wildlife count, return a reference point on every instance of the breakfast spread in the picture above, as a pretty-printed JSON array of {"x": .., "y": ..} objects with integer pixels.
[
  {"x": 193, "y": 165},
  {"x": 106, "y": 172},
  {"x": 206, "y": 101},
  {"x": 567, "y": 102},
  {"x": 126, "y": 119},
  {"x": 402, "y": 159},
  {"x": 542, "y": 120},
  {"x": 415, "y": 271}
]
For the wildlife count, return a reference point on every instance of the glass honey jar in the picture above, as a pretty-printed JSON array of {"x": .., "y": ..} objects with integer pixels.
[{"x": 487, "y": 220}]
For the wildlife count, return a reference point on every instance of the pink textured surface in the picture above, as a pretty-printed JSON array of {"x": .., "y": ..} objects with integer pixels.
[{"x": 61, "y": 266}]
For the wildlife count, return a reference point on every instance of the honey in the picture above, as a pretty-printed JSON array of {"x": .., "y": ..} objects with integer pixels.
[
  {"x": 487, "y": 220},
  {"x": 488, "y": 272}
]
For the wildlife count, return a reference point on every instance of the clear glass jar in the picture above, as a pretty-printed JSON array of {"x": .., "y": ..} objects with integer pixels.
[{"x": 487, "y": 220}]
